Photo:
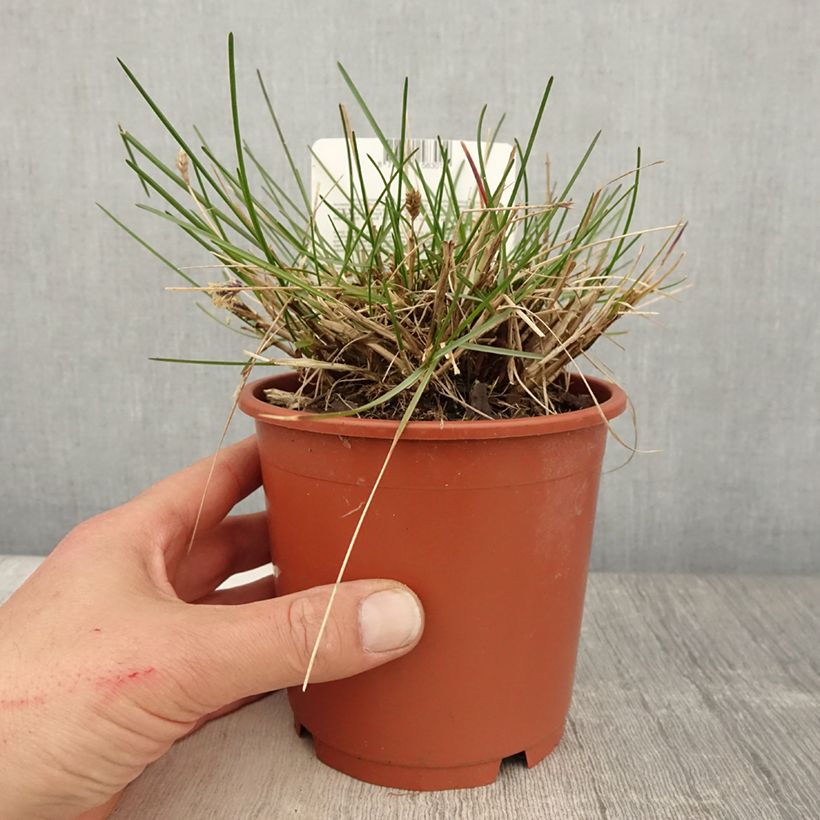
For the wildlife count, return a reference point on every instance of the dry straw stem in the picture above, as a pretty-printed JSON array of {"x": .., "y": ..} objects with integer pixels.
[{"x": 418, "y": 306}]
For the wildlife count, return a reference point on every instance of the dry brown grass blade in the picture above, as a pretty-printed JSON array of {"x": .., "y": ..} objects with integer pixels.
[
  {"x": 243, "y": 380},
  {"x": 353, "y": 539}
]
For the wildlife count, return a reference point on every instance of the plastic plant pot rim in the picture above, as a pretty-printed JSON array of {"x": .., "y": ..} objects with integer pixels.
[{"x": 611, "y": 398}]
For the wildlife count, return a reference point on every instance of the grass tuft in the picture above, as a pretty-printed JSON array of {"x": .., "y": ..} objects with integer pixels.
[{"x": 418, "y": 306}]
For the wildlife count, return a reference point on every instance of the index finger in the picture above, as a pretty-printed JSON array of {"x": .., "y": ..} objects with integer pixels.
[{"x": 213, "y": 484}]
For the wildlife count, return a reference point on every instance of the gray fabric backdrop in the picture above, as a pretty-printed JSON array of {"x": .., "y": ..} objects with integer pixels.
[{"x": 726, "y": 385}]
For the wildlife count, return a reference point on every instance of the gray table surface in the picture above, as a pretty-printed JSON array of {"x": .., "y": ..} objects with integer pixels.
[{"x": 696, "y": 697}]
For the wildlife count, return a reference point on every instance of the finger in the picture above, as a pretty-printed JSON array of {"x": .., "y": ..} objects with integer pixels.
[
  {"x": 173, "y": 504},
  {"x": 260, "y": 590},
  {"x": 236, "y": 651},
  {"x": 238, "y": 544}
]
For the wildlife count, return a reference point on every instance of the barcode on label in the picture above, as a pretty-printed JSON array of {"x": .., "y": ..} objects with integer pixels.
[{"x": 427, "y": 152}]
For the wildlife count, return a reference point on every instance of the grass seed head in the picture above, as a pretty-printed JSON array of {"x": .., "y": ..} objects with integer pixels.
[
  {"x": 412, "y": 203},
  {"x": 182, "y": 166}
]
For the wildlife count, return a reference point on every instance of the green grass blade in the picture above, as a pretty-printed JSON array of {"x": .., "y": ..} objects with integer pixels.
[
  {"x": 148, "y": 247},
  {"x": 240, "y": 158},
  {"x": 294, "y": 169},
  {"x": 131, "y": 156},
  {"x": 531, "y": 141}
]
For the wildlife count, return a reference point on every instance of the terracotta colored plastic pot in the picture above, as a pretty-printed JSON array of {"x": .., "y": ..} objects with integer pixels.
[{"x": 490, "y": 522}]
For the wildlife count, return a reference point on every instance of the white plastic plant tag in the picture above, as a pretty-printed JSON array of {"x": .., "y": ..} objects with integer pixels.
[{"x": 332, "y": 187}]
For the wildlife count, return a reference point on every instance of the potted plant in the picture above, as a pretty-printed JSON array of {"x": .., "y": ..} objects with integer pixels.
[{"x": 429, "y": 427}]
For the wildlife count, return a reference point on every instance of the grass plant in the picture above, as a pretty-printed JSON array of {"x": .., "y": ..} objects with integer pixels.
[{"x": 417, "y": 301}]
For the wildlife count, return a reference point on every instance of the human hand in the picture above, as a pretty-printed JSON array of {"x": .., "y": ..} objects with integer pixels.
[{"x": 120, "y": 643}]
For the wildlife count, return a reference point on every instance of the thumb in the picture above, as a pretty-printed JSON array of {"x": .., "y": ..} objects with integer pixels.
[{"x": 258, "y": 647}]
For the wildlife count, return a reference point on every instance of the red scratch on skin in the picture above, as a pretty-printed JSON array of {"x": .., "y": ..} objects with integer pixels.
[
  {"x": 23, "y": 702},
  {"x": 140, "y": 673},
  {"x": 112, "y": 683}
]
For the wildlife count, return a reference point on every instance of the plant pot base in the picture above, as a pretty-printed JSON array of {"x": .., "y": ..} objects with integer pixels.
[{"x": 422, "y": 778}]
